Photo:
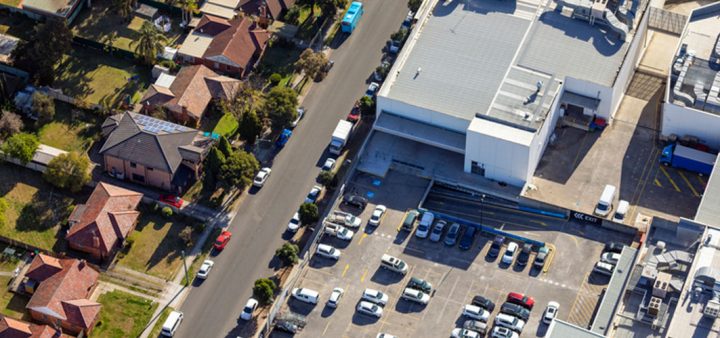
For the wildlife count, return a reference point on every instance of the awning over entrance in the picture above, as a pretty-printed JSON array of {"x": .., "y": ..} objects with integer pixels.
[
  {"x": 421, "y": 132},
  {"x": 580, "y": 100}
]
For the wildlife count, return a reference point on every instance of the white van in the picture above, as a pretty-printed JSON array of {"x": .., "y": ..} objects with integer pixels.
[
  {"x": 621, "y": 211},
  {"x": 604, "y": 205},
  {"x": 306, "y": 295},
  {"x": 171, "y": 323}
]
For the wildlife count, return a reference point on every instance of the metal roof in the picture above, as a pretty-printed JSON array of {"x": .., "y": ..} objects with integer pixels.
[
  {"x": 614, "y": 290},
  {"x": 563, "y": 329}
]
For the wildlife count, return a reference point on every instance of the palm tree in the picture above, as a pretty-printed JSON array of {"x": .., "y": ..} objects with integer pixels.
[
  {"x": 123, "y": 7},
  {"x": 189, "y": 8},
  {"x": 150, "y": 43}
]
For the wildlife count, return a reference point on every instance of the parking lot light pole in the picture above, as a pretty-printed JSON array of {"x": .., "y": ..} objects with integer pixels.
[{"x": 482, "y": 206}]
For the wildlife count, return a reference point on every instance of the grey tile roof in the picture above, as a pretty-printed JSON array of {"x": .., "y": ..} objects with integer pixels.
[{"x": 147, "y": 145}]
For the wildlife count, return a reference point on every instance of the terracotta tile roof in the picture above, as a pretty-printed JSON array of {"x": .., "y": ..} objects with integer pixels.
[
  {"x": 13, "y": 328},
  {"x": 107, "y": 217},
  {"x": 238, "y": 44},
  {"x": 274, "y": 7},
  {"x": 43, "y": 266},
  {"x": 59, "y": 294},
  {"x": 212, "y": 25}
]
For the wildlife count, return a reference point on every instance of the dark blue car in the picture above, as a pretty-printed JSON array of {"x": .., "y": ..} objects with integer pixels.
[{"x": 468, "y": 238}]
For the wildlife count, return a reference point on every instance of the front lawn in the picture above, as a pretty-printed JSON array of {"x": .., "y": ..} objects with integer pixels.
[
  {"x": 11, "y": 305},
  {"x": 71, "y": 130},
  {"x": 156, "y": 247},
  {"x": 227, "y": 125},
  {"x": 35, "y": 209},
  {"x": 122, "y": 315},
  {"x": 98, "y": 78},
  {"x": 279, "y": 58}
]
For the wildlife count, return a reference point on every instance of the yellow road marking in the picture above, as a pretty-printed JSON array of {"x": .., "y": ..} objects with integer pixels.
[
  {"x": 670, "y": 179},
  {"x": 657, "y": 182},
  {"x": 578, "y": 294},
  {"x": 550, "y": 257},
  {"x": 403, "y": 220},
  {"x": 362, "y": 278},
  {"x": 539, "y": 222},
  {"x": 347, "y": 266},
  {"x": 701, "y": 179},
  {"x": 361, "y": 238},
  {"x": 688, "y": 184}
]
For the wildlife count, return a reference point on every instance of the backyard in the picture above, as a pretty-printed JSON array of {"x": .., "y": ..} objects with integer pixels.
[
  {"x": 11, "y": 305},
  {"x": 102, "y": 24},
  {"x": 98, "y": 78},
  {"x": 35, "y": 209},
  {"x": 156, "y": 245},
  {"x": 72, "y": 129},
  {"x": 122, "y": 315}
]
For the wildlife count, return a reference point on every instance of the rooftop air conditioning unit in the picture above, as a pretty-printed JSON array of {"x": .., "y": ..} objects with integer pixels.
[
  {"x": 654, "y": 306},
  {"x": 661, "y": 285},
  {"x": 712, "y": 308}
]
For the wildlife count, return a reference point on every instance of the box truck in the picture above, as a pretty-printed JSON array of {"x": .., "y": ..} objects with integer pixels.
[
  {"x": 340, "y": 136},
  {"x": 679, "y": 156}
]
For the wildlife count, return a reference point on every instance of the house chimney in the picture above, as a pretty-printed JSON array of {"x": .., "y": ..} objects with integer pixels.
[{"x": 81, "y": 265}]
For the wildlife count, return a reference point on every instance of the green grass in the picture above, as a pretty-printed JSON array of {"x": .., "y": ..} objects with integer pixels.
[
  {"x": 227, "y": 125},
  {"x": 71, "y": 130},
  {"x": 207, "y": 246},
  {"x": 160, "y": 321},
  {"x": 100, "y": 21},
  {"x": 280, "y": 59},
  {"x": 35, "y": 208},
  {"x": 157, "y": 247},
  {"x": 98, "y": 78},
  {"x": 122, "y": 315},
  {"x": 11, "y": 305}
]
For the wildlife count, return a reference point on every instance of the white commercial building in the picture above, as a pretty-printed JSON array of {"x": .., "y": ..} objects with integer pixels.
[
  {"x": 488, "y": 81},
  {"x": 692, "y": 99}
]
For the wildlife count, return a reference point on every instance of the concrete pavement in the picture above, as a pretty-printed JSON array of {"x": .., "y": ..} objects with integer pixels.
[{"x": 212, "y": 309}]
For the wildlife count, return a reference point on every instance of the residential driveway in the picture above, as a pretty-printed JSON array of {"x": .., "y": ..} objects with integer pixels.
[{"x": 213, "y": 308}]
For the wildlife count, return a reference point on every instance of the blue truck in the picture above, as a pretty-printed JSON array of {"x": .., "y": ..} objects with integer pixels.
[
  {"x": 679, "y": 156},
  {"x": 283, "y": 138}
]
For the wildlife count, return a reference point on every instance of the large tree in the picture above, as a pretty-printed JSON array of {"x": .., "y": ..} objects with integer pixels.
[
  {"x": 44, "y": 106},
  {"x": 21, "y": 146},
  {"x": 239, "y": 169},
  {"x": 10, "y": 123},
  {"x": 189, "y": 7},
  {"x": 281, "y": 104},
  {"x": 414, "y": 5},
  {"x": 123, "y": 8},
  {"x": 149, "y": 43},
  {"x": 45, "y": 49},
  {"x": 250, "y": 127},
  {"x": 69, "y": 171},
  {"x": 311, "y": 63}
]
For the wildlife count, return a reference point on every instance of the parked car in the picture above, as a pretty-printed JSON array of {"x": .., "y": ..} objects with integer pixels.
[
  {"x": 300, "y": 115},
  {"x": 515, "y": 310},
  {"x": 377, "y": 215},
  {"x": 452, "y": 234},
  {"x": 249, "y": 308},
  {"x": 339, "y": 231},
  {"x": 355, "y": 113},
  {"x": 171, "y": 324},
  {"x": 420, "y": 284},
  {"x": 510, "y": 322},
  {"x": 385, "y": 335},
  {"x": 613, "y": 247},
  {"x": 483, "y": 303},
  {"x": 381, "y": 71},
  {"x": 426, "y": 222},
  {"x": 287, "y": 326},
  {"x": 475, "y": 312},
  {"x": 468, "y": 238},
  {"x": 393, "y": 264},
  {"x": 541, "y": 257},
  {"x": 503, "y": 332},
  {"x": 604, "y": 268},
  {"x": 328, "y": 251},
  {"x": 335, "y": 297},
  {"x": 222, "y": 240},
  {"x": 355, "y": 201},
  {"x": 610, "y": 258},
  {"x": 409, "y": 221},
  {"x": 550, "y": 312},
  {"x": 372, "y": 89},
  {"x": 521, "y": 299},
  {"x": 329, "y": 164},
  {"x": 313, "y": 195},
  {"x": 375, "y": 296},
  {"x": 305, "y": 295},
  {"x": 261, "y": 177},
  {"x": 476, "y": 325},
  {"x": 172, "y": 200},
  {"x": 524, "y": 255},
  {"x": 294, "y": 223},
  {"x": 415, "y": 295},
  {"x": 496, "y": 246},
  {"x": 393, "y": 47},
  {"x": 464, "y": 333},
  {"x": 408, "y": 19},
  {"x": 328, "y": 66},
  {"x": 205, "y": 269},
  {"x": 509, "y": 254},
  {"x": 370, "y": 309},
  {"x": 437, "y": 231}
]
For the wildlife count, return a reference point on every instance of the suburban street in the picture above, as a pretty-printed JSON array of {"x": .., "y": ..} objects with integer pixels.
[{"x": 212, "y": 309}]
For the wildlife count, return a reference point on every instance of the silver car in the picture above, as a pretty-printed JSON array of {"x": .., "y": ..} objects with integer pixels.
[
  {"x": 370, "y": 309},
  {"x": 437, "y": 231}
]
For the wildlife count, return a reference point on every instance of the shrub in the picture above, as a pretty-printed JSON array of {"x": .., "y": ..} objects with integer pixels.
[
  {"x": 68, "y": 171},
  {"x": 309, "y": 213},
  {"x": 186, "y": 235},
  {"x": 327, "y": 178},
  {"x": 292, "y": 15},
  {"x": 167, "y": 212},
  {"x": 264, "y": 290},
  {"x": 275, "y": 78},
  {"x": 367, "y": 106},
  {"x": 288, "y": 254}
]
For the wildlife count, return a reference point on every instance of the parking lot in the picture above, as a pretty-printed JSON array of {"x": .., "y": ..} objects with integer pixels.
[{"x": 456, "y": 275}]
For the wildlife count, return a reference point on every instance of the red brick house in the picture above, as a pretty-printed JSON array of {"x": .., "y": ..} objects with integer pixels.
[
  {"x": 60, "y": 289},
  {"x": 100, "y": 226},
  {"x": 13, "y": 328},
  {"x": 228, "y": 46}
]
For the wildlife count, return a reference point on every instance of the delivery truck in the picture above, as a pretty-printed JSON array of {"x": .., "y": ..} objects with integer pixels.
[
  {"x": 340, "y": 136},
  {"x": 681, "y": 157}
]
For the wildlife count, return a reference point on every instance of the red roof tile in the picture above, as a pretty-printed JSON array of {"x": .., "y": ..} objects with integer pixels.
[
  {"x": 13, "y": 328},
  {"x": 238, "y": 44},
  {"x": 43, "y": 266}
]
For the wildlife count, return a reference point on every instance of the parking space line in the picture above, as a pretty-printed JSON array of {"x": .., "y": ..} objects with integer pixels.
[
  {"x": 702, "y": 180},
  {"x": 670, "y": 179},
  {"x": 362, "y": 237},
  {"x": 326, "y": 328},
  {"x": 347, "y": 266},
  {"x": 692, "y": 189},
  {"x": 550, "y": 257},
  {"x": 658, "y": 183},
  {"x": 362, "y": 278}
]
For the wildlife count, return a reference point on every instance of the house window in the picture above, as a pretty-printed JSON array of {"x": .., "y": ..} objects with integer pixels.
[
  {"x": 139, "y": 178},
  {"x": 217, "y": 65},
  {"x": 477, "y": 168},
  {"x": 150, "y": 169},
  {"x": 133, "y": 165}
]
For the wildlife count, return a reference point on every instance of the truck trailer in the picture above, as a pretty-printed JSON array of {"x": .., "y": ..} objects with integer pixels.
[
  {"x": 682, "y": 157},
  {"x": 340, "y": 136}
]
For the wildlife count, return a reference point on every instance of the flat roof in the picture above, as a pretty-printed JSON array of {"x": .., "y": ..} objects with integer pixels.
[
  {"x": 614, "y": 291},
  {"x": 474, "y": 57},
  {"x": 195, "y": 44},
  {"x": 562, "y": 329},
  {"x": 58, "y": 7},
  {"x": 709, "y": 210}
]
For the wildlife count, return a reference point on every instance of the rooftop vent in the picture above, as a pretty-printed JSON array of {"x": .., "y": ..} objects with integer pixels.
[{"x": 654, "y": 306}]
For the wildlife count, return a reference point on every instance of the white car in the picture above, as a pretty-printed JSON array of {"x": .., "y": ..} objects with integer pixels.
[
  {"x": 510, "y": 322},
  {"x": 476, "y": 312},
  {"x": 313, "y": 194},
  {"x": 300, "y": 115},
  {"x": 335, "y": 297},
  {"x": 384, "y": 335},
  {"x": 370, "y": 309},
  {"x": 261, "y": 177},
  {"x": 329, "y": 164},
  {"x": 610, "y": 258},
  {"x": 328, "y": 251},
  {"x": 604, "y": 268},
  {"x": 464, "y": 333},
  {"x": 372, "y": 89},
  {"x": 550, "y": 312},
  {"x": 294, "y": 223},
  {"x": 339, "y": 231},
  {"x": 377, "y": 215},
  {"x": 249, "y": 308},
  {"x": 509, "y": 254},
  {"x": 205, "y": 269},
  {"x": 416, "y": 296},
  {"x": 375, "y": 296},
  {"x": 352, "y": 221},
  {"x": 503, "y": 332},
  {"x": 437, "y": 231}
]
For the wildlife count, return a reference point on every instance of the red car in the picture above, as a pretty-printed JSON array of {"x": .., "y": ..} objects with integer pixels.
[
  {"x": 172, "y": 200},
  {"x": 222, "y": 240},
  {"x": 520, "y": 299},
  {"x": 354, "y": 115}
]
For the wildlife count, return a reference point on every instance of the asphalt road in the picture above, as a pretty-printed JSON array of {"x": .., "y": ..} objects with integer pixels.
[{"x": 213, "y": 307}]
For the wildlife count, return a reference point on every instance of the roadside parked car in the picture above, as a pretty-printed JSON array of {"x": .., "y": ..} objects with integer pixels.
[
  {"x": 300, "y": 115},
  {"x": 496, "y": 246},
  {"x": 393, "y": 46},
  {"x": 381, "y": 71},
  {"x": 452, "y": 234},
  {"x": 385, "y": 335},
  {"x": 613, "y": 247},
  {"x": 249, "y": 308},
  {"x": 172, "y": 200},
  {"x": 222, "y": 240},
  {"x": 550, "y": 312},
  {"x": 521, "y": 299},
  {"x": 369, "y": 309},
  {"x": 408, "y": 19},
  {"x": 372, "y": 89},
  {"x": 261, "y": 177},
  {"x": 524, "y": 255},
  {"x": 476, "y": 312},
  {"x": 375, "y": 296},
  {"x": 327, "y": 251},
  {"x": 468, "y": 238},
  {"x": 335, "y": 297},
  {"x": 509, "y": 255},
  {"x": 329, "y": 164},
  {"x": 328, "y": 66},
  {"x": 437, "y": 231},
  {"x": 205, "y": 269},
  {"x": 313, "y": 195},
  {"x": 483, "y": 303},
  {"x": 377, "y": 215},
  {"x": 294, "y": 223}
]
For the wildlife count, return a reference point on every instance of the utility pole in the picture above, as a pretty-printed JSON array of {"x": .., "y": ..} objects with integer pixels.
[{"x": 182, "y": 252}]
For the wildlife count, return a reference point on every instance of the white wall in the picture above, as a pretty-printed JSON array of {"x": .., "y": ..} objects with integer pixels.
[
  {"x": 594, "y": 90},
  {"x": 683, "y": 121},
  {"x": 540, "y": 141},
  {"x": 421, "y": 114},
  {"x": 632, "y": 59},
  {"x": 504, "y": 161}
]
